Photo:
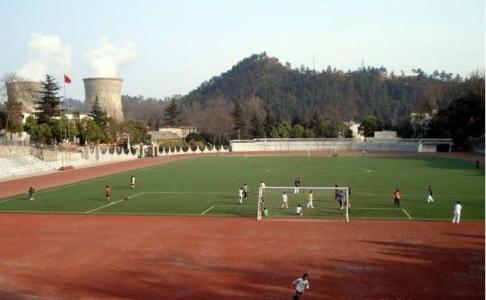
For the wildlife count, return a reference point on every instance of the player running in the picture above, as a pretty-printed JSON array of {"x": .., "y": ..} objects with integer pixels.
[
  {"x": 301, "y": 284},
  {"x": 396, "y": 198},
  {"x": 429, "y": 195},
  {"x": 31, "y": 193},
  {"x": 310, "y": 199},
  {"x": 108, "y": 193},
  {"x": 285, "y": 201},
  {"x": 132, "y": 181},
  {"x": 240, "y": 195}
]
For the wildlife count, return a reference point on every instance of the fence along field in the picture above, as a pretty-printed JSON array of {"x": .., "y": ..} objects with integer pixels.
[{"x": 209, "y": 186}]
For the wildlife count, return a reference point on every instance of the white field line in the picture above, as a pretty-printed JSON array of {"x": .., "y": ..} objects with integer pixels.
[
  {"x": 405, "y": 211},
  {"x": 212, "y": 193},
  {"x": 207, "y": 210},
  {"x": 113, "y": 203},
  {"x": 377, "y": 208},
  {"x": 87, "y": 181}
]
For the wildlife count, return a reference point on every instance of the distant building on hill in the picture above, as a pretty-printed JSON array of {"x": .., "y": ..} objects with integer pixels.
[{"x": 181, "y": 131}]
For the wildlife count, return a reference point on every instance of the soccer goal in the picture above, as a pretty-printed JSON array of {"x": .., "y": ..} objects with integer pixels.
[{"x": 303, "y": 203}]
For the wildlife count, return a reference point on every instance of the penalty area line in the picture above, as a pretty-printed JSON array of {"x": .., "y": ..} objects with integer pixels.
[
  {"x": 113, "y": 203},
  {"x": 207, "y": 210},
  {"x": 408, "y": 215}
]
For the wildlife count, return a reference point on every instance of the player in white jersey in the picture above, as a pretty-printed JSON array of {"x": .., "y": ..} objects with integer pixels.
[
  {"x": 456, "y": 214},
  {"x": 298, "y": 210},
  {"x": 310, "y": 197},
  {"x": 285, "y": 200},
  {"x": 132, "y": 181},
  {"x": 240, "y": 195},
  {"x": 301, "y": 284},
  {"x": 260, "y": 190}
]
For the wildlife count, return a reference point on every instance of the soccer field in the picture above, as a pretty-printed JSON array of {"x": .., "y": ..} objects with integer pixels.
[{"x": 209, "y": 186}]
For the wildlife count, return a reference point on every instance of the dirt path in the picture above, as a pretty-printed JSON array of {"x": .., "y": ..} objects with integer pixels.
[{"x": 135, "y": 257}]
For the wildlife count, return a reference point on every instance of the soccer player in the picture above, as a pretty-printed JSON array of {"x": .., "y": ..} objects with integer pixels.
[
  {"x": 297, "y": 185},
  {"x": 285, "y": 200},
  {"x": 240, "y": 195},
  {"x": 31, "y": 193},
  {"x": 132, "y": 181},
  {"x": 456, "y": 216},
  {"x": 341, "y": 199},
  {"x": 336, "y": 193},
  {"x": 310, "y": 197},
  {"x": 108, "y": 193},
  {"x": 245, "y": 191},
  {"x": 298, "y": 210},
  {"x": 396, "y": 198},
  {"x": 429, "y": 195},
  {"x": 301, "y": 284},
  {"x": 260, "y": 190}
]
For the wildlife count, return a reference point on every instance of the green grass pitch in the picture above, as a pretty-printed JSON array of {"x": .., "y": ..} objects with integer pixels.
[{"x": 209, "y": 185}]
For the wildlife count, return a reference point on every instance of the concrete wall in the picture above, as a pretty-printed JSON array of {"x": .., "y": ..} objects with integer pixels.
[
  {"x": 330, "y": 145},
  {"x": 108, "y": 91}
]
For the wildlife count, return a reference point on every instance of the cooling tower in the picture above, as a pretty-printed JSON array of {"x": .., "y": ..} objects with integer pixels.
[
  {"x": 108, "y": 91},
  {"x": 25, "y": 92}
]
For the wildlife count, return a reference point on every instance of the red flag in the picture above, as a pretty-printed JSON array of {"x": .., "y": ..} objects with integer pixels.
[{"x": 67, "y": 79}]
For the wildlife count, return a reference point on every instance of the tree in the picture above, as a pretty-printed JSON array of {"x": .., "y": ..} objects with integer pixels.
[
  {"x": 98, "y": 114},
  {"x": 48, "y": 105},
  {"x": 14, "y": 117},
  {"x": 172, "y": 113},
  {"x": 93, "y": 133},
  {"x": 268, "y": 125},
  {"x": 237, "y": 115},
  {"x": 256, "y": 127},
  {"x": 297, "y": 131},
  {"x": 137, "y": 131},
  {"x": 369, "y": 125}
]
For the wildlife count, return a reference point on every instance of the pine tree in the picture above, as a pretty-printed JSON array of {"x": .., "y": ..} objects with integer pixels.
[
  {"x": 98, "y": 114},
  {"x": 48, "y": 105},
  {"x": 237, "y": 115},
  {"x": 172, "y": 113},
  {"x": 256, "y": 127}
]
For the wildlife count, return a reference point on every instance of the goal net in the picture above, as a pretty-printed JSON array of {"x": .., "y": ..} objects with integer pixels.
[{"x": 303, "y": 203}]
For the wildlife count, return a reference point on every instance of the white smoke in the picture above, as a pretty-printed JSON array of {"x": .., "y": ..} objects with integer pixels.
[
  {"x": 105, "y": 60},
  {"x": 47, "y": 55}
]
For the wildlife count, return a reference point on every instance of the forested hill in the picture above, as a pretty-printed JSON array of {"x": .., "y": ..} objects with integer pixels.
[{"x": 288, "y": 93}]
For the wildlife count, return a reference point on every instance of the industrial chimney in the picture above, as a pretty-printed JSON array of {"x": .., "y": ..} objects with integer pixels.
[
  {"x": 108, "y": 91},
  {"x": 25, "y": 92}
]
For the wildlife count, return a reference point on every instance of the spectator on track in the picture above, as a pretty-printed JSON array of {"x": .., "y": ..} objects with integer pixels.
[
  {"x": 31, "y": 193},
  {"x": 108, "y": 193},
  {"x": 396, "y": 198},
  {"x": 301, "y": 284}
]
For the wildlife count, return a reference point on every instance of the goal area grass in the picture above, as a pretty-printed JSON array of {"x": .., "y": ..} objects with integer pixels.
[{"x": 209, "y": 186}]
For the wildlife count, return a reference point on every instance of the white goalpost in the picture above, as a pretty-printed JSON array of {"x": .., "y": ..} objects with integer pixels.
[{"x": 303, "y": 203}]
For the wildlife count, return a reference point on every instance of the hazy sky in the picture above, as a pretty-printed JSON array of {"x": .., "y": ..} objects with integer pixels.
[{"x": 161, "y": 48}]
